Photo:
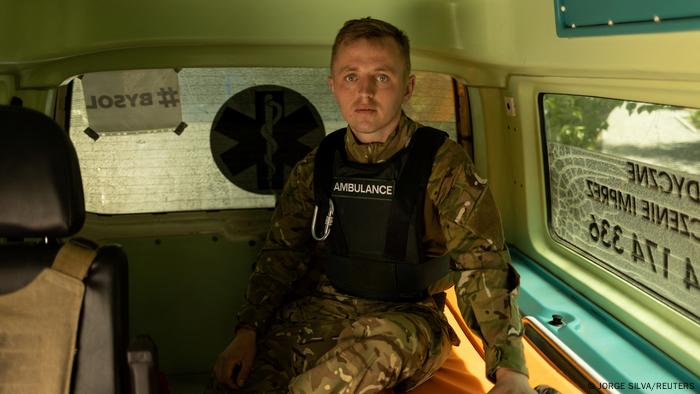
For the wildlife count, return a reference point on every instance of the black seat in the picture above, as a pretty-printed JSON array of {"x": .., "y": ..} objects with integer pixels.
[{"x": 41, "y": 202}]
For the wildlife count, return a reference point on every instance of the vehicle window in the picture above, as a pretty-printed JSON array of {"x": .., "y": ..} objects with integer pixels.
[
  {"x": 623, "y": 188},
  {"x": 229, "y": 138}
]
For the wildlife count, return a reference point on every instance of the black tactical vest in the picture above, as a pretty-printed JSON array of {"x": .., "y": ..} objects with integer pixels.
[{"x": 375, "y": 216}]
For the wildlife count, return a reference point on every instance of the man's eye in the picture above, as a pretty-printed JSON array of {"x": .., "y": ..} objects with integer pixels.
[
  {"x": 382, "y": 78},
  {"x": 350, "y": 78}
]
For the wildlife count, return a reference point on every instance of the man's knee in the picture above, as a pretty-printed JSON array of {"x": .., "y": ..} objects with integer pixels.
[{"x": 395, "y": 341}]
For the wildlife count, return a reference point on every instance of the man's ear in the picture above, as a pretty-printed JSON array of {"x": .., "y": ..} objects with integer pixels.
[
  {"x": 329, "y": 80},
  {"x": 410, "y": 84}
]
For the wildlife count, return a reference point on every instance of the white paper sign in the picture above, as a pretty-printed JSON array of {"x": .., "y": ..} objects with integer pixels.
[{"x": 132, "y": 100}]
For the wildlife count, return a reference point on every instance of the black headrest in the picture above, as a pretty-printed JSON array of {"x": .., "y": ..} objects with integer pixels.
[{"x": 41, "y": 192}]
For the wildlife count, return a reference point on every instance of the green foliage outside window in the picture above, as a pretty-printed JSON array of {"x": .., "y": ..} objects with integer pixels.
[
  {"x": 695, "y": 119},
  {"x": 577, "y": 120}
]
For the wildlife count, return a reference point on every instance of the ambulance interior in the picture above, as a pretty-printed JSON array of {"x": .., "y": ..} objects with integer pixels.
[{"x": 187, "y": 191}]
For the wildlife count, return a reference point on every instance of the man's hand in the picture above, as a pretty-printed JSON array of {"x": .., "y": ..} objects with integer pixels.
[
  {"x": 511, "y": 382},
  {"x": 238, "y": 356}
]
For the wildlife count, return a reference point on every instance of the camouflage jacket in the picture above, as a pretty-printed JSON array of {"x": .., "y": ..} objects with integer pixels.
[{"x": 461, "y": 219}]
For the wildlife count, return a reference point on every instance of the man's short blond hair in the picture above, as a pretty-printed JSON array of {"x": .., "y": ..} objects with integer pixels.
[{"x": 372, "y": 29}]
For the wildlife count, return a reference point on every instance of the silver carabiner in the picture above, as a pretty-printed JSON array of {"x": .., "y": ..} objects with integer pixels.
[{"x": 328, "y": 222}]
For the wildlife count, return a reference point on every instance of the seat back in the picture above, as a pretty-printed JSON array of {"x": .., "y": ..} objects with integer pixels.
[{"x": 41, "y": 201}]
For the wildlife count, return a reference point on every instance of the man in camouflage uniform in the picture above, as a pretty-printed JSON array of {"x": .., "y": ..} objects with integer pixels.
[{"x": 299, "y": 334}]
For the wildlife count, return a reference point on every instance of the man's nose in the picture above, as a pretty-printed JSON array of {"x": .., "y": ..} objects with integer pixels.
[{"x": 367, "y": 87}]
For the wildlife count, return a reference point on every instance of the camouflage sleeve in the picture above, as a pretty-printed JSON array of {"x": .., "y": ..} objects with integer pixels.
[
  {"x": 487, "y": 285},
  {"x": 285, "y": 254}
]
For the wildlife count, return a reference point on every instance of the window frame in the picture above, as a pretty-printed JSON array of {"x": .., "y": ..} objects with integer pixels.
[{"x": 579, "y": 249}]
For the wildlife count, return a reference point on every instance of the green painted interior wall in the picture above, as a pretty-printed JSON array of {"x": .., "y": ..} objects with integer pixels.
[{"x": 184, "y": 292}]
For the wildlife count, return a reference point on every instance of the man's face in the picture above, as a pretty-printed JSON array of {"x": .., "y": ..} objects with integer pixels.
[{"x": 370, "y": 82}]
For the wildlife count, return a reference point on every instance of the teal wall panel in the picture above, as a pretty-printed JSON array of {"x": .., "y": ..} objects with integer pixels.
[
  {"x": 617, "y": 353},
  {"x": 576, "y": 18}
]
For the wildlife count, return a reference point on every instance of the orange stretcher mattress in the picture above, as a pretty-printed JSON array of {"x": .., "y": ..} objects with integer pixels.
[{"x": 464, "y": 370}]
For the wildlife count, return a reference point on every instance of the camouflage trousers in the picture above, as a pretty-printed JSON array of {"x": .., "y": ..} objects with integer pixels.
[{"x": 341, "y": 344}]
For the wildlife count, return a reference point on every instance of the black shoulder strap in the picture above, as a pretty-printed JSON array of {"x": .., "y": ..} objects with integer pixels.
[
  {"x": 410, "y": 190},
  {"x": 333, "y": 144},
  {"x": 323, "y": 166}
]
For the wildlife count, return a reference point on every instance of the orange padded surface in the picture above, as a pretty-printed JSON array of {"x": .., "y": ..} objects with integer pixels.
[{"x": 464, "y": 372}]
